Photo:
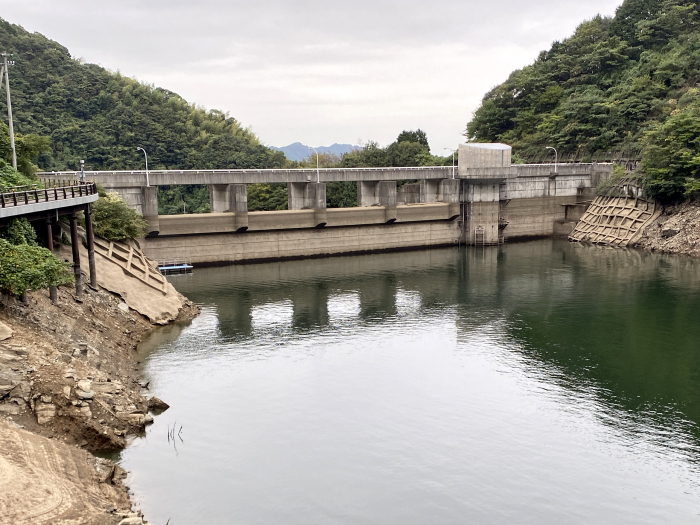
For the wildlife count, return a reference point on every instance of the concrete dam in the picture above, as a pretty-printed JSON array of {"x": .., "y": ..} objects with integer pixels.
[{"x": 483, "y": 200}]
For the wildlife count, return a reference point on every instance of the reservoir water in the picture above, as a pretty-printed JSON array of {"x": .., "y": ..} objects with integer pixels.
[{"x": 542, "y": 383}]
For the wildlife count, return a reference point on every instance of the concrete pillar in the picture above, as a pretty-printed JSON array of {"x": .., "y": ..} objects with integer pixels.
[
  {"x": 238, "y": 198},
  {"x": 366, "y": 193},
  {"x": 75, "y": 244},
  {"x": 91, "y": 246},
  {"x": 429, "y": 190},
  {"x": 295, "y": 195},
  {"x": 448, "y": 190},
  {"x": 484, "y": 212},
  {"x": 150, "y": 208},
  {"x": 219, "y": 198},
  {"x": 53, "y": 291},
  {"x": 376, "y": 193},
  {"x": 308, "y": 196}
]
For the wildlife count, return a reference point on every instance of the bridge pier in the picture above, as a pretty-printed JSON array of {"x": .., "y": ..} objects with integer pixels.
[
  {"x": 75, "y": 244},
  {"x": 53, "y": 290},
  {"x": 308, "y": 196},
  {"x": 378, "y": 193},
  {"x": 150, "y": 208},
  {"x": 90, "y": 246},
  {"x": 227, "y": 198}
]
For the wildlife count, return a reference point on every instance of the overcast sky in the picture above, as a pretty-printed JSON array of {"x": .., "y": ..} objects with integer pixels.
[{"x": 313, "y": 71}]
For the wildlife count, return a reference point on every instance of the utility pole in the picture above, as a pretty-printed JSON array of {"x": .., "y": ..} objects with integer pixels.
[{"x": 5, "y": 68}]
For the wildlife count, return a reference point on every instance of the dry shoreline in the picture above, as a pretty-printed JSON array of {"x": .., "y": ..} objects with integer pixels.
[
  {"x": 675, "y": 231},
  {"x": 69, "y": 385}
]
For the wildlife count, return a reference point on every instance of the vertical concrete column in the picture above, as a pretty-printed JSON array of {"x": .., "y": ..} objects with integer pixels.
[
  {"x": 238, "y": 195},
  {"x": 91, "y": 246},
  {"x": 75, "y": 244},
  {"x": 316, "y": 198},
  {"x": 485, "y": 211},
  {"x": 386, "y": 195},
  {"x": 219, "y": 198},
  {"x": 449, "y": 192},
  {"x": 367, "y": 193},
  {"x": 150, "y": 208},
  {"x": 429, "y": 190},
  {"x": 295, "y": 195},
  {"x": 308, "y": 196},
  {"x": 53, "y": 291}
]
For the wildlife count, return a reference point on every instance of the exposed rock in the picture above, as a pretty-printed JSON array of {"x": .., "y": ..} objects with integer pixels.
[
  {"x": 123, "y": 307},
  {"x": 45, "y": 412},
  {"x": 669, "y": 232},
  {"x": 82, "y": 394},
  {"x": 106, "y": 387},
  {"x": 11, "y": 409},
  {"x": 5, "y": 332},
  {"x": 157, "y": 404},
  {"x": 131, "y": 521}
]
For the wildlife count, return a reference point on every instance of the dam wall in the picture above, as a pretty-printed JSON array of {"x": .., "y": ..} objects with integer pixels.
[{"x": 295, "y": 243}]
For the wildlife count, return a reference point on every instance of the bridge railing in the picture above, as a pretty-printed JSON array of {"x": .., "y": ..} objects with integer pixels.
[{"x": 55, "y": 193}]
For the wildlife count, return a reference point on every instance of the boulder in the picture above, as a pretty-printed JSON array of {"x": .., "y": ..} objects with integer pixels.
[
  {"x": 157, "y": 404},
  {"x": 5, "y": 332},
  {"x": 45, "y": 412},
  {"x": 667, "y": 232}
]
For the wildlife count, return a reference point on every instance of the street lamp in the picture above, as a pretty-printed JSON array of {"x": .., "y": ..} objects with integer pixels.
[
  {"x": 145, "y": 155},
  {"x": 318, "y": 173},
  {"x": 556, "y": 157},
  {"x": 453, "y": 160}
]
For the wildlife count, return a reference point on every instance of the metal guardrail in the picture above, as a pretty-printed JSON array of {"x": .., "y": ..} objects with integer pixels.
[
  {"x": 47, "y": 174},
  {"x": 55, "y": 193}
]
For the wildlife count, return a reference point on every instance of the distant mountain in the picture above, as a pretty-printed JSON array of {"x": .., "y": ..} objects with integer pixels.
[{"x": 299, "y": 151}]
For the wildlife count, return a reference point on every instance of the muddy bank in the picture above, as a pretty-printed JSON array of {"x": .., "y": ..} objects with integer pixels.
[
  {"x": 69, "y": 384},
  {"x": 675, "y": 231}
]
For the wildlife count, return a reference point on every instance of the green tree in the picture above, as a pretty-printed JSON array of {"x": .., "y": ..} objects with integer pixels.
[{"x": 114, "y": 220}]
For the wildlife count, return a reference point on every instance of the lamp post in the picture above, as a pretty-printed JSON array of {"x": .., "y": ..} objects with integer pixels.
[
  {"x": 453, "y": 160},
  {"x": 148, "y": 184},
  {"x": 556, "y": 157},
  {"x": 318, "y": 173}
]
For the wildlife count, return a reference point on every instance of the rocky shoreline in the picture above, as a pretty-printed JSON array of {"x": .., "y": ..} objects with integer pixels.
[
  {"x": 70, "y": 384},
  {"x": 675, "y": 231}
]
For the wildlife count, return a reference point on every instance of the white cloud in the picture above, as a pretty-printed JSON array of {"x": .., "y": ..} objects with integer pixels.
[{"x": 316, "y": 71}]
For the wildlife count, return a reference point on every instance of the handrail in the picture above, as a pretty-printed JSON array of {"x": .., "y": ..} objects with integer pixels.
[{"x": 36, "y": 195}]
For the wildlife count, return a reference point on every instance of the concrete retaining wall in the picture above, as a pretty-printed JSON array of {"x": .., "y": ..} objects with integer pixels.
[
  {"x": 535, "y": 217},
  {"x": 281, "y": 244}
]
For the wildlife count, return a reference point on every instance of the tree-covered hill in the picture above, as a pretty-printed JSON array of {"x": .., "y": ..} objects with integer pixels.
[
  {"x": 625, "y": 86},
  {"x": 90, "y": 113}
]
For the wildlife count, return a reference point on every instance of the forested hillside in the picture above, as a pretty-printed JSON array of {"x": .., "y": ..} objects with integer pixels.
[
  {"x": 66, "y": 110},
  {"x": 625, "y": 86},
  {"x": 90, "y": 113}
]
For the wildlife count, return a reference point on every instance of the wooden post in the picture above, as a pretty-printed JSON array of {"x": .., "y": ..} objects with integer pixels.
[
  {"x": 75, "y": 243},
  {"x": 53, "y": 291},
  {"x": 91, "y": 246}
]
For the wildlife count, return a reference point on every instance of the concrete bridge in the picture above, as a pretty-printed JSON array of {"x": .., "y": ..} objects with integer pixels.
[{"x": 474, "y": 203}]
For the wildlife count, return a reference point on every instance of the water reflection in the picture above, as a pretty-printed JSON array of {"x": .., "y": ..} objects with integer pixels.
[
  {"x": 622, "y": 320},
  {"x": 439, "y": 386}
]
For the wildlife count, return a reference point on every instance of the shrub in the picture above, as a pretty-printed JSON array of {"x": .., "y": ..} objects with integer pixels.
[
  {"x": 24, "y": 267},
  {"x": 113, "y": 220},
  {"x": 19, "y": 231},
  {"x": 10, "y": 177}
]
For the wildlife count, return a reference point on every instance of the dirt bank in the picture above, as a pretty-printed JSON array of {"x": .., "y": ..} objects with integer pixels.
[
  {"x": 676, "y": 231},
  {"x": 69, "y": 383}
]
